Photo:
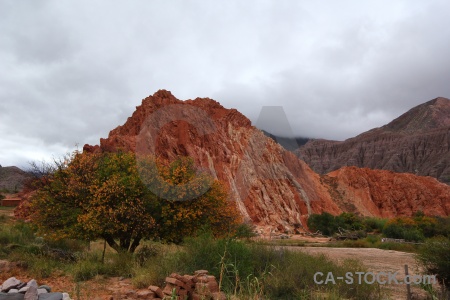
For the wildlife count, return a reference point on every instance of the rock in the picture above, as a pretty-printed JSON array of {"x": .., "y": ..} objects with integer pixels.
[
  {"x": 32, "y": 282},
  {"x": 10, "y": 283},
  {"x": 16, "y": 296},
  {"x": 269, "y": 184},
  {"x": 46, "y": 287},
  {"x": 144, "y": 294},
  {"x": 387, "y": 194},
  {"x": 169, "y": 289},
  {"x": 32, "y": 293},
  {"x": 272, "y": 188},
  {"x": 158, "y": 292},
  {"x": 417, "y": 142},
  {"x": 42, "y": 291},
  {"x": 176, "y": 282},
  {"x": 51, "y": 296},
  {"x": 65, "y": 296},
  {"x": 200, "y": 272}
]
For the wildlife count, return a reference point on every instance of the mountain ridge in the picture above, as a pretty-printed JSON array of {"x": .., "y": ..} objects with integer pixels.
[
  {"x": 271, "y": 186},
  {"x": 417, "y": 142}
]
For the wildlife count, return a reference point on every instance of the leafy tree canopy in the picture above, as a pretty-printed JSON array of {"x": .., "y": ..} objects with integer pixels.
[{"x": 106, "y": 195}]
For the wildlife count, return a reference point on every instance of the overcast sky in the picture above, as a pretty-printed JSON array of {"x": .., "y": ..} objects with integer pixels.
[{"x": 70, "y": 71}]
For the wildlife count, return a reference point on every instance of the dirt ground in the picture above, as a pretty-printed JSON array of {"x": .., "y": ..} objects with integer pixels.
[{"x": 376, "y": 260}]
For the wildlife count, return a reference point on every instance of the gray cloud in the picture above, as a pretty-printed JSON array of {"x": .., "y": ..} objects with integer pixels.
[{"x": 72, "y": 71}]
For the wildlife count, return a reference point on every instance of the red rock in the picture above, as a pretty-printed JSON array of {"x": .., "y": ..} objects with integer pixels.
[
  {"x": 271, "y": 186},
  {"x": 387, "y": 194},
  {"x": 213, "y": 286},
  {"x": 169, "y": 288},
  {"x": 202, "y": 288},
  {"x": 156, "y": 290},
  {"x": 417, "y": 142},
  {"x": 145, "y": 294},
  {"x": 200, "y": 272},
  {"x": 176, "y": 282}
]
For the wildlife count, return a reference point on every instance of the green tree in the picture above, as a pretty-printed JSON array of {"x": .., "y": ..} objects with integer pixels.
[
  {"x": 191, "y": 200},
  {"x": 91, "y": 196},
  {"x": 325, "y": 223},
  {"x": 403, "y": 228},
  {"x": 434, "y": 256}
]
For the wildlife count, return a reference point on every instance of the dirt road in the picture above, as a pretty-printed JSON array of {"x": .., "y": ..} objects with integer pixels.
[{"x": 376, "y": 260}]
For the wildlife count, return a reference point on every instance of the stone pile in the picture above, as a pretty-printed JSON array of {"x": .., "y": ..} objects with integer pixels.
[
  {"x": 199, "y": 286},
  {"x": 14, "y": 289}
]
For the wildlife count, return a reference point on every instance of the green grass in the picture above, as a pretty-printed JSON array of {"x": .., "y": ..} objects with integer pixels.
[{"x": 245, "y": 270}]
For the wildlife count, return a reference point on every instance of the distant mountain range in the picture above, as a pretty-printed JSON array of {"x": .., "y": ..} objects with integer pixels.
[
  {"x": 417, "y": 142},
  {"x": 12, "y": 179}
]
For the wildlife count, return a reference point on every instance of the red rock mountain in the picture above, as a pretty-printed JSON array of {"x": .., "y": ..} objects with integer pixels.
[
  {"x": 417, "y": 142},
  {"x": 270, "y": 185}
]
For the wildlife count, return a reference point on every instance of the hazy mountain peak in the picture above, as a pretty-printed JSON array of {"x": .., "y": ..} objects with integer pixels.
[{"x": 429, "y": 115}]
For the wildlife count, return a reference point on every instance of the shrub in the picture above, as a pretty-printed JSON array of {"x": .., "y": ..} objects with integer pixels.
[
  {"x": 253, "y": 271},
  {"x": 144, "y": 253},
  {"x": 403, "y": 228},
  {"x": 374, "y": 224},
  {"x": 349, "y": 221},
  {"x": 245, "y": 231},
  {"x": 123, "y": 200},
  {"x": 325, "y": 223},
  {"x": 434, "y": 256}
]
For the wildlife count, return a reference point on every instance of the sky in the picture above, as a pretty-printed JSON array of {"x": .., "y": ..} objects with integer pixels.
[{"x": 71, "y": 71}]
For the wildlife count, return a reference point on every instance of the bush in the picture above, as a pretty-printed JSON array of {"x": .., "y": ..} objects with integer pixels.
[
  {"x": 403, "y": 228},
  {"x": 253, "y": 270},
  {"x": 374, "y": 224},
  {"x": 443, "y": 226},
  {"x": 434, "y": 256},
  {"x": 328, "y": 224},
  {"x": 145, "y": 253},
  {"x": 245, "y": 231},
  {"x": 325, "y": 223}
]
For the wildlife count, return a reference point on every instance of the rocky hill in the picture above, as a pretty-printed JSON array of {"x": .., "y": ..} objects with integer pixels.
[
  {"x": 270, "y": 185},
  {"x": 12, "y": 179},
  {"x": 417, "y": 142},
  {"x": 387, "y": 194}
]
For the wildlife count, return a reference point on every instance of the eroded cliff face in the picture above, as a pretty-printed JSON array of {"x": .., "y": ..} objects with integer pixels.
[
  {"x": 270, "y": 185},
  {"x": 417, "y": 142},
  {"x": 387, "y": 194}
]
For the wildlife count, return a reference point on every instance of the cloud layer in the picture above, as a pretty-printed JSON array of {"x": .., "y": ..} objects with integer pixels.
[{"x": 72, "y": 71}]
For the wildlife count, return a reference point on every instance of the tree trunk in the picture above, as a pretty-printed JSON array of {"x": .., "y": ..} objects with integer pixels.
[
  {"x": 125, "y": 244},
  {"x": 135, "y": 244},
  {"x": 112, "y": 243}
]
